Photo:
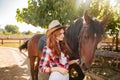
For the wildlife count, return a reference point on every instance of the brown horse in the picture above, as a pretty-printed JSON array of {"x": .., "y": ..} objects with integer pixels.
[{"x": 81, "y": 39}]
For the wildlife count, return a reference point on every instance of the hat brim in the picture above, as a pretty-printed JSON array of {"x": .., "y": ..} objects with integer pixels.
[{"x": 53, "y": 29}]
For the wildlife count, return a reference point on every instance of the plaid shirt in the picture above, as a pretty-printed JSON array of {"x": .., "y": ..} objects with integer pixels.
[{"x": 48, "y": 61}]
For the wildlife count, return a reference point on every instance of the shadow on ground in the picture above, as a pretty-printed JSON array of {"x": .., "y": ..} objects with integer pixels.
[{"x": 13, "y": 73}]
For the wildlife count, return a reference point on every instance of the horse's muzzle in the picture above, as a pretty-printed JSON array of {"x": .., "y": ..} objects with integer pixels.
[{"x": 83, "y": 65}]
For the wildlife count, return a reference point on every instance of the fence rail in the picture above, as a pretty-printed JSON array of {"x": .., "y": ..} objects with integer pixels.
[{"x": 12, "y": 40}]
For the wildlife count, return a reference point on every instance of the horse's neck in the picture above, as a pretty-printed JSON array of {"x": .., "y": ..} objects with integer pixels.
[{"x": 71, "y": 37}]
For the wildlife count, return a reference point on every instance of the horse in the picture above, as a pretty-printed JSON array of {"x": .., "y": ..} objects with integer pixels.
[{"x": 81, "y": 40}]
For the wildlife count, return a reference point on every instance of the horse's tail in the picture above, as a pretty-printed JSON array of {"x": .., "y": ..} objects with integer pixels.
[{"x": 23, "y": 46}]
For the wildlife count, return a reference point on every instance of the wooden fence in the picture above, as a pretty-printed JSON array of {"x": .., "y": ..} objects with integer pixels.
[{"x": 12, "y": 40}]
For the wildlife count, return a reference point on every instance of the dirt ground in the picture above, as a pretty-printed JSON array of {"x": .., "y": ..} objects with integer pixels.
[{"x": 15, "y": 65}]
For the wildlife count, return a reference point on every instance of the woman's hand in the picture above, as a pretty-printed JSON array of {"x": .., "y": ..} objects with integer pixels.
[
  {"x": 60, "y": 69},
  {"x": 73, "y": 61},
  {"x": 63, "y": 70}
]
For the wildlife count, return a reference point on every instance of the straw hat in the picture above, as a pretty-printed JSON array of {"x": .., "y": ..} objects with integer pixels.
[{"x": 53, "y": 26}]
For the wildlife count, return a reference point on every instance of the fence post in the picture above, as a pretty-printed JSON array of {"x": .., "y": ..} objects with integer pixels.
[
  {"x": 2, "y": 41},
  {"x": 20, "y": 42}
]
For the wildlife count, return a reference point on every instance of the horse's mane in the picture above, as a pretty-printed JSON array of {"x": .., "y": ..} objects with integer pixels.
[
  {"x": 95, "y": 28},
  {"x": 72, "y": 33}
]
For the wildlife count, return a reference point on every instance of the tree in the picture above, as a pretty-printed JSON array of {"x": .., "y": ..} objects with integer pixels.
[
  {"x": 42, "y": 12},
  {"x": 27, "y": 33},
  {"x": 12, "y": 29}
]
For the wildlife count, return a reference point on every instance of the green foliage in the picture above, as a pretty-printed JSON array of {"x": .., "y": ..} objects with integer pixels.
[
  {"x": 27, "y": 33},
  {"x": 6, "y": 32},
  {"x": 1, "y": 31},
  {"x": 38, "y": 32},
  {"x": 11, "y": 29},
  {"x": 42, "y": 12}
]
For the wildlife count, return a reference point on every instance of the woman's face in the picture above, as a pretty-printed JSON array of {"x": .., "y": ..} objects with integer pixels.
[{"x": 60, "y": 36}]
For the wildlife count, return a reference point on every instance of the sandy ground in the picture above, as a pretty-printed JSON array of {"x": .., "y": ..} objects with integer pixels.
[{"x": 15, "y": 65}]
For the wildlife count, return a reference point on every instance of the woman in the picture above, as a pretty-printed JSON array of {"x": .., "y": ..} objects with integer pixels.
[{"x": 54, "y": 58}]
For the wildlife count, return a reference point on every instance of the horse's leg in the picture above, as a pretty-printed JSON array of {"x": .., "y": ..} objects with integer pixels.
[
  {"x": 36, "y": 68},
  {"x": 32, "y": 60}
]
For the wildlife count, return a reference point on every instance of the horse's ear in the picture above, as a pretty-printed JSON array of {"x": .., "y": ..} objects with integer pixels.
[
  {"x": 105, "y": 20},
  {"x": 86, "y": 17}
]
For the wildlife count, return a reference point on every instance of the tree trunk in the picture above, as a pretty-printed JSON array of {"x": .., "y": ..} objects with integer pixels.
[
  {"x": 113, "y": 41},
  {"x": 116, "y": 47}
]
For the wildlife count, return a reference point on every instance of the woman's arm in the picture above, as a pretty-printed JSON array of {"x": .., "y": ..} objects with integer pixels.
[
  {"x": 73, "y": 61},
  {"x": 44, "y": 62}
]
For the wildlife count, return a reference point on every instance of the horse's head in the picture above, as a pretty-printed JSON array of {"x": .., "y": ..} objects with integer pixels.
[{"x": 90, "y": 35}]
